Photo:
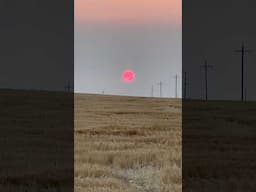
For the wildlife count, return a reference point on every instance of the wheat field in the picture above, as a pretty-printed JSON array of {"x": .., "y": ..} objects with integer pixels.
[{"x": 127, "y": 144}]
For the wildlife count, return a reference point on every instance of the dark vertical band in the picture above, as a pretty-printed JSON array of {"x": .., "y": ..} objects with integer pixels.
[
  {"x": 36, "y": 95},
  {"x": 219, "y": 138}
]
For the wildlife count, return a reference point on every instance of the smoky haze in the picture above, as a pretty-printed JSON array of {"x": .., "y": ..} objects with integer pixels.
[
  {"x": 149, "y": 45},
  {"x": 102, "y": 53}
]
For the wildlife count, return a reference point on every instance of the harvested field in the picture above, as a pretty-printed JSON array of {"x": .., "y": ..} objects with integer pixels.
[{"x": 127, "y": 144}]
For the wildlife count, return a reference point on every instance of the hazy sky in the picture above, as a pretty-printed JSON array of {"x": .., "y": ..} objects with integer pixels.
[{"x": 112, "y": 36}]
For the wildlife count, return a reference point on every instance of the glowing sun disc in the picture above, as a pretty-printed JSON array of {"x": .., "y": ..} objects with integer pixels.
[{"x": 128, "y": 76}]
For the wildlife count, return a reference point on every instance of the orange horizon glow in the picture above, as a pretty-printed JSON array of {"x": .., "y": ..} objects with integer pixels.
[{"x": 128, "y": 11}]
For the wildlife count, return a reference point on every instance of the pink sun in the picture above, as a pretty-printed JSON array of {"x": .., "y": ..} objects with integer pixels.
[{"x": 128, "y": 76}]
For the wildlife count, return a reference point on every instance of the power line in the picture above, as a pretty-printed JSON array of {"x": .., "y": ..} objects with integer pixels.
[
  {"x": 68, "y": 87},
  {"x": 152, "y": 91},
  {"x": 160, "y": 88},
  {"x": 206, "y": 67},
  {"x": 243, "y": 51},
  {"x": 176, "y": 86}
]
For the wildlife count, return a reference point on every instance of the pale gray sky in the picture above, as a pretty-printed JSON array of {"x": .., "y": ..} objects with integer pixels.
[{"x": 104, "y": 50}]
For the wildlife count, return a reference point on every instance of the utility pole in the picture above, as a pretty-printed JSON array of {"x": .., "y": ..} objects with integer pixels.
[
  {"x": 176, "y": 86},
  {"x": 152, "y": 91},
  {"x": 243, "y": 51},
  {"x": 206, "y": 67},
  {"x": 68, "y": 87},
  {"x": 160, "y": 85},
  {"x": 185, "y": 85}
]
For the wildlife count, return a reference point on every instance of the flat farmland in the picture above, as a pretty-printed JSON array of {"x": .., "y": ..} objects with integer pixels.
[{"x": 127, "y": 144}]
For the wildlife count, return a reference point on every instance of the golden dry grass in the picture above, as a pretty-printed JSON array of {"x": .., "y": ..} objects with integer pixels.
[{"x": 127, "y": 144}]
